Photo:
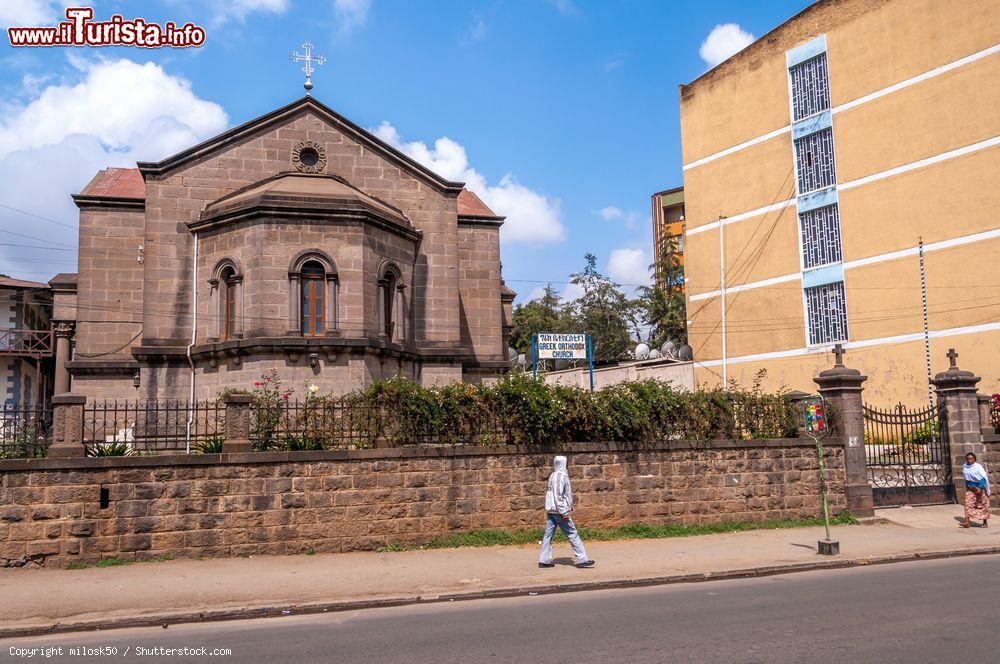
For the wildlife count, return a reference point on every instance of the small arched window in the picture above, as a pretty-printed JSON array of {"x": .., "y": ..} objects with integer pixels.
[
  {"x": 390, "y": 304},
  {"x": 228, "y": 286},
  {"x": 313, "y": 287}
]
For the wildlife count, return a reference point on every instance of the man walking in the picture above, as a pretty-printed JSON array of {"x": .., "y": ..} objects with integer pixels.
[{"x": 558, "y": 505}]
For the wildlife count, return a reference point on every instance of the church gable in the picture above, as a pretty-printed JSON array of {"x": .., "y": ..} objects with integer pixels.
[{"x": 314, "y": 125}]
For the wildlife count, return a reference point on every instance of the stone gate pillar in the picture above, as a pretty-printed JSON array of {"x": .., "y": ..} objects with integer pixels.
[
  {"x": 237, "y": 424},
  {"x": 959, "y": 409},
  {"x": 841, "y": 388},
  {"x": 67, "y": 426}
]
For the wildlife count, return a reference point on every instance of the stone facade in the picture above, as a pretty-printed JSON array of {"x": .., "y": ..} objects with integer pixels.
[
  {"x": 243, "y": 202},
  {"x": 56, "y": 511}
]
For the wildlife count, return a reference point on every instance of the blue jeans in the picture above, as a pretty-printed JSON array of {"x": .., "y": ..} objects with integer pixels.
[{"x": 566, "y": 524}]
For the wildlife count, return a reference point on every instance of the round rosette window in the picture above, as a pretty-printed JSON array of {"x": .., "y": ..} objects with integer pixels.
[{"x": 309, "y": 157}]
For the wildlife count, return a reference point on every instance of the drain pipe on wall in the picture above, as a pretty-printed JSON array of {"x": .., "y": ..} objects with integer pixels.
[{"x": 194, "y": 336}]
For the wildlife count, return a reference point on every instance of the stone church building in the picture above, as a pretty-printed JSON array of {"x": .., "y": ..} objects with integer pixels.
[{"x": 298, "y": 242}]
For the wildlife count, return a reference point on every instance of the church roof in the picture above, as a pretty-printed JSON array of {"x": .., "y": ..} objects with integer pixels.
[
  {"x": 470, "y": 205},
  {"x": 303, "y": 193},
  {"x": 116, "y": 183},
  {"x": 288, "y": 111}
]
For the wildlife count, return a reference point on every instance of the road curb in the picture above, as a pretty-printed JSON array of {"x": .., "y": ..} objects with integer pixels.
[{"x": 277, "y": 610}]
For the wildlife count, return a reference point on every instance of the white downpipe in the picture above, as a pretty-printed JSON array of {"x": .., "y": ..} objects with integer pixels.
[{"x": 194, "y": 336}]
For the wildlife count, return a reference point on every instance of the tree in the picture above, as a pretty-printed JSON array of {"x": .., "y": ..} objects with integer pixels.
[
  {"x": 603, "y": 311},
  {"x": 545, "y": 314},
  {"x": 661, "y": 306}
]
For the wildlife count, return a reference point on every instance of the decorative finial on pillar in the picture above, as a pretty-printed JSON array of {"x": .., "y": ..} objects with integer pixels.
[
  {"x": 838, "y": 352},
  {"x": 952, "y": 358},
  {"x": 310, "y": 60}
]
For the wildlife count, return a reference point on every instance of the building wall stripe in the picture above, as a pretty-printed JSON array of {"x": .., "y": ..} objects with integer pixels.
[
  {"x": 865, "y": 343},
  {"x": 850, "y": 184},
  {"x": 859, "y": 262},
  {"x": 852, "y": 104}
]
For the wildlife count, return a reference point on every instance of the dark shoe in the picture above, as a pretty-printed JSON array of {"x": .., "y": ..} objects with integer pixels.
[
  {"x": 589, "y": 563},
  {"x": 544, "y": 565}
]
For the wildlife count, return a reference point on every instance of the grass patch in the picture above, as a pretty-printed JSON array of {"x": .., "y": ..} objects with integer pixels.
[
  {"x": 121, "y": 562},
  {"x": 310, "y": 552},
  {"x": 491, "y": 537}
]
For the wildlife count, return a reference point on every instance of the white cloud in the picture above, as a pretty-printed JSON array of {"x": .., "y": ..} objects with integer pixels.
[
  {"x": 52, "y": 145},
  {"x": 723, "y": 41},
  {"x": 537, "y": 293},
  {"x": 566, "y": 7},
  {"x": 351, "y": 14},
  {"x": 532, "y": 218},
  {"x": 31, "y": 13},
  {"x": 477, "y": 31},
  {"x": 612, "y": 213},
  {"x": 572, "y": 292},
  {"x": 225, "y": 10},
  {"x": 629, "y": 267}
]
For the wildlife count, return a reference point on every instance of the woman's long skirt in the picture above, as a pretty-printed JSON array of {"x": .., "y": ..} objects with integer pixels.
[{"x": 977, "y": 507}]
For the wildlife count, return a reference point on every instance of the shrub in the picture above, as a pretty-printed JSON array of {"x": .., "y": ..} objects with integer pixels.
[
  {"x": 209, "y": 444},
  {"x": 109, "y": 449}
]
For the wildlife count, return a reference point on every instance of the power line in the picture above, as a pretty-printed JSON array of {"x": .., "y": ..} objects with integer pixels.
[{"x": 37, "y": 216}]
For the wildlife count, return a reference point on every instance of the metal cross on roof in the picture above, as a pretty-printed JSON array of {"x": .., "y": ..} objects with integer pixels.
[
  {"x": 310, "y": 60},
  {"x": 952, "y": 357}
]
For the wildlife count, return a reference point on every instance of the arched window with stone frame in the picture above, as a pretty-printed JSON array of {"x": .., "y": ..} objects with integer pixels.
[
  {"x": 227, "y": 300},
  {"x": 391, "y": 304},
  {"x": 313, "y": 294}
]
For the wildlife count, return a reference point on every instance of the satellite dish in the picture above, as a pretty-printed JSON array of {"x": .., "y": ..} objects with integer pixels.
[
  {"x": 655, "y": 354},
  {"x": 669, "y": 348},
  {"x": 522, "y": 361},
  {"x": 685, "y": 352},
  {"x": 511, "y": 353},
  {"x": 642, "y": 352}
]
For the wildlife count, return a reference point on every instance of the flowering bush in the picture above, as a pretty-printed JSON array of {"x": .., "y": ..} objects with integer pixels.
[{"x": 515, "y": 410}]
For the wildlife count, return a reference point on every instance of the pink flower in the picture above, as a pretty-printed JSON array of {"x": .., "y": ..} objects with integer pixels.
[
  {"x": 256, "y": 383},
  {"x": 284, "y": 396}
]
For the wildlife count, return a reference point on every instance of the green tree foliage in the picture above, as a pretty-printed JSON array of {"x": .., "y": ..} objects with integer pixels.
[
  {"x": 604, "y": 312},
  {"x": 661, "y": 306},
  {"x": 545, "y": 314}
]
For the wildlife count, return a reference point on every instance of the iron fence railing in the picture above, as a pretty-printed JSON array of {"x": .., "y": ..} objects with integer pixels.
[
  {"x": 25, "y": 431},
  {"x": 113, "y": 428},
  {"x": 34, "y": 343},
  {"x": 313, "y": 424}
]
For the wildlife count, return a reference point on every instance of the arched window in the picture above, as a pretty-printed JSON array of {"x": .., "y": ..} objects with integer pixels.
[
  {"x": 226, "y": 301},
  {"x": 312, "y": 294},
  {"x": 313, "y": 299},
  {"x": 228, "y": 286},
  {"x": 390, "y": 303}
]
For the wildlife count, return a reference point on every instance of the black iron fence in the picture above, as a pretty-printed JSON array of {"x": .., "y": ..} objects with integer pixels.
[
  {"x": 313, "y": 424},
  {"x": 25, "y": 431},
  {"x": 907, "y": 456},
  {"x": 116, "y": 428}
]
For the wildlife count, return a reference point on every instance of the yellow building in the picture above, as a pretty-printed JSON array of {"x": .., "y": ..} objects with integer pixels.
[
  {"x": 816, "y": 160},
  {"x": 668, "y": 221}
]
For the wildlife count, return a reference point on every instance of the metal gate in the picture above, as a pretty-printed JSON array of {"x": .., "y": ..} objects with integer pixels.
[{"x": 908, "y": 458}]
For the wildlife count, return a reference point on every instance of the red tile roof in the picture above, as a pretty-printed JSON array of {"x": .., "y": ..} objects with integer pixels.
[
  {"x": 11, "y": 282},
  {"x": 470, "y": 205},
  {"x": 116, "y": 183}
]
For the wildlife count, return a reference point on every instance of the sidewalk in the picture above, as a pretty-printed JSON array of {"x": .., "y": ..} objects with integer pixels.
[{"x": 40, "y": 600}]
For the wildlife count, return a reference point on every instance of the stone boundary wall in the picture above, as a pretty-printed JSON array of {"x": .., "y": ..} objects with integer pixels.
[{"x": 216, "y": 505}]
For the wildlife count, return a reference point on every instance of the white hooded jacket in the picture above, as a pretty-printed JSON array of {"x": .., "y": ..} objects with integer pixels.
[{"x": 559, "y": 495}]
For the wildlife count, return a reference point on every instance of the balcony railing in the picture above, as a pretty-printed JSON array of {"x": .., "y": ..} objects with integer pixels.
[{"x": 31, "y": 343}]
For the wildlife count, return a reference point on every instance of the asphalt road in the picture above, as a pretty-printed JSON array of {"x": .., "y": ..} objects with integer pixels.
[{"x": 929, "y": 611}]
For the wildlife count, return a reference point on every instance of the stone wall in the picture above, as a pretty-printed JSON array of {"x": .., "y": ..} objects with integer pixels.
[{"x": 282, "y": 503}]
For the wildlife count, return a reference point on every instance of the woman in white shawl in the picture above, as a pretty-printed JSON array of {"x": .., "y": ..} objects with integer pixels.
[{"x": 977, "y": 491}]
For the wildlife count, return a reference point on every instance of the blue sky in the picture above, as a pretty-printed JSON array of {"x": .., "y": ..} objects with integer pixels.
[{"x": 562, "y": 113}]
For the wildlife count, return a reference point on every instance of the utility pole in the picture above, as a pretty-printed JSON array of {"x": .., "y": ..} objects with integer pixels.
[
  {"x": 927, "y": 334},
  {"x": 722, "y": 286}
]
